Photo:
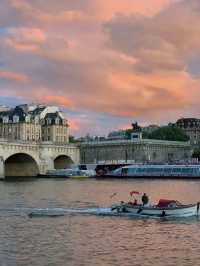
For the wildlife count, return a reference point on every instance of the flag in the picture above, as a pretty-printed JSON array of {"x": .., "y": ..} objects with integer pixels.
[{"x": 134, "y": 192}]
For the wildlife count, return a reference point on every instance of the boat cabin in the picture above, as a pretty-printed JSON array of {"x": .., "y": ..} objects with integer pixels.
[{"x": 158, "y": 170}]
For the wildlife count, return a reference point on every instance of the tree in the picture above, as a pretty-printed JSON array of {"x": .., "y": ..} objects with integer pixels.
[
  {"x": 169, "y": 133},
  {"x": 196, "y": 153},
  {"x": 128, "y": 133},
  {"x": 72, "y": 139}
]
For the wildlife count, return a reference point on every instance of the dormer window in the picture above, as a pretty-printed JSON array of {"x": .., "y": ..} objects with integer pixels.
[
  {"x": 65, "y": 122},
  {"x": 42, "y": 122},
  {"x": 48, "y": 121},
  {"x": 5, "y": 119},
  {"x": 37, "y": 120},
  {"x": 28, "y": 119},
  {"x": 57, "y": 120},
  {"x": 15, "y": 119}
]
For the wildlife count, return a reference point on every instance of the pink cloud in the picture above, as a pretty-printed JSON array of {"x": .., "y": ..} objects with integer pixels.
[
  {"x": 75, "y": 125},
  {"x": 62, "y": 101},
  {"x": 105, "y": 10},
  {"x": 25, "y": 39},
  {"x": 123, "y": 58},
  {"x": 12, "y": 76}
]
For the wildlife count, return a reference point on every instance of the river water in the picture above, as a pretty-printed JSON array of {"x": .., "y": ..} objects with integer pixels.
[{"x": 84, "y": 237}]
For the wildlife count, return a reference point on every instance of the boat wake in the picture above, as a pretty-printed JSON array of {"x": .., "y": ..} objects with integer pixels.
[
  {"x": 58, "y": 212},
  {"x": 54, "y": 212}
]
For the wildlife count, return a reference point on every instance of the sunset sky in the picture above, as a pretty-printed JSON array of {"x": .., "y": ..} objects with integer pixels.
[{"x": 106, "y": 63}]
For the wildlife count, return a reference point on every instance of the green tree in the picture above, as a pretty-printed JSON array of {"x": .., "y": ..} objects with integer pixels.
[
  {"x": 169, "y": 133},
  {"x": 72, "y": 139},
  {"x": 196, "y": 153},
  {"x": 128, "y": 133}
]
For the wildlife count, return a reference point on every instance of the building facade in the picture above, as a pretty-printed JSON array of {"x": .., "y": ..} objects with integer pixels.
[
  {"x": 34, "y": 123},
  {"x": 191, "y": 127},
  {"x": 135, "y": 151}
]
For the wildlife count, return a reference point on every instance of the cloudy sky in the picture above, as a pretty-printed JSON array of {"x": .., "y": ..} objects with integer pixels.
[{"x": 105, "y": 62}]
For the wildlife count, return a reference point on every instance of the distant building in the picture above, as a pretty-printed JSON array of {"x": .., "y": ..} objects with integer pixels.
[
  {"x": 117, "y": 135},
  {"x": 191, "y": 127},
  {"x": 34, "y": 123},
  {"x": 4, "y": 108}
]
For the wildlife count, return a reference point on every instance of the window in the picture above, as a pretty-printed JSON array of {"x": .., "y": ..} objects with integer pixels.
[
  {"x": 15, "y": 119},
  {"x": 28, "y": 119},
  {"x": 57, "y": 120},
  {"x": 5, "y": 119},
  {"x": 132, "y": 170},
  {"x": 124, "y": 171},
  {"x": 36, "y": 120},
  {"x": 48, "y": 121}
]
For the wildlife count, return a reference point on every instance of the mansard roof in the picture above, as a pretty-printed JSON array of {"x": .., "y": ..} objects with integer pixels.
[
  {"x": 37, "y": 110},
  {"x": 22, "y": 111},
  {"x": 52, "y": 117},
  {"x": 188, "y": 119}
]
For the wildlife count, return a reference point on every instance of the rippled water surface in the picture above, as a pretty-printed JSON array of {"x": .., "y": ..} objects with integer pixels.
[{"x": 79, "y": 238}]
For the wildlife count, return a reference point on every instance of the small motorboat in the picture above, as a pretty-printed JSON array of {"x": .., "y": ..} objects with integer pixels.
[
  {"x": 164, "y": 208},
  {"x": 70, "y": 173}
]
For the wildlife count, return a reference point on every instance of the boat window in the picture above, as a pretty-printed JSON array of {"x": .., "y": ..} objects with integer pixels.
[
  {"x": 136, "y": 170},
  {"x": 187, "y": 170},
  {"x": 140, "y": 170},
  {"x": 176, "y": 170},
  {"x": 131, "y": 171},
  {"x": 197, "y": 170},
  {"x": 156, "y": 170},
  {"x": 149, "y": 170},
  {"x": 167, "y": 170},
  {"x": 117, "y": 171},
  {"x": 193, "y": 170},
  {"x": 124, "y": 171}
]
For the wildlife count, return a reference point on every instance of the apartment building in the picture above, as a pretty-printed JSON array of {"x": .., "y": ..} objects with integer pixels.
[{"x": 34, "y": 123}]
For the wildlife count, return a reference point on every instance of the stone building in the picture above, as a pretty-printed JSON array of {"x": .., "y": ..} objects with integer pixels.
[
  {"x": 54, "y": 128},
  {"x": 191, "y": 127},
  {"x": 34, "y": 123},
  {"x": 135, "y": 151}
]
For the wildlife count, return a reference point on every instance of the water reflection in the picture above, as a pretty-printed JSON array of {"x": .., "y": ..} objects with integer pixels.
[{"x": 85, "y": 239}]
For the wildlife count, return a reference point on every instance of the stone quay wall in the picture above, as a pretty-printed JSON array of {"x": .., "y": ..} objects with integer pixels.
[{"x": 138, "y": 151}]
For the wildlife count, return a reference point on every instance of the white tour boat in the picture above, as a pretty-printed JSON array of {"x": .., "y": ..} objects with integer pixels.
[{"x": 158, "y": 171}]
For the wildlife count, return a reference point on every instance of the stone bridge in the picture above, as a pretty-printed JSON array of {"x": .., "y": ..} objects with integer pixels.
[{"x": 30, "y": 159}]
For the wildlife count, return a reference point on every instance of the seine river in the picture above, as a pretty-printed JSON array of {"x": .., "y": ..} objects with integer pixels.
[{"x": 87, "y": 238}]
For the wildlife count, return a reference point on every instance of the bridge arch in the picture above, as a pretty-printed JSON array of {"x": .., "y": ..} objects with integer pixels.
[
  {"x": 62, "y": 162},
  {"x": 21, "y": 165}
]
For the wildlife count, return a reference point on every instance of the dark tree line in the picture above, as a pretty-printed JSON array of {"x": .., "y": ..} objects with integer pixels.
[
  {"x": 168, "y": 133},
  {"x": 163, "y": 133}
]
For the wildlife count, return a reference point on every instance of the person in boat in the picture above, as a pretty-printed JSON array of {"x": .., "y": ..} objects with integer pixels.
[{"x": 145, "y": 199}]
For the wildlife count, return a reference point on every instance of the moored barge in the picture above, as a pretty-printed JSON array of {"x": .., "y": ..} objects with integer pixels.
[{"x": 155, "y": 171}]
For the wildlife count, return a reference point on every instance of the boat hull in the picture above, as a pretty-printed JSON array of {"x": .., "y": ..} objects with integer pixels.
[
  {"x": 148, "y": 176},
  {"x": 180, "y": 211}
]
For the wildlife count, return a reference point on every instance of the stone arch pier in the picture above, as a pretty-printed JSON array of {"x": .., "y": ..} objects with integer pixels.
[
  {"x": 31, "y": 159},
  {"x": 21, "y": 165},
  {"x": 63, "y": 162}
]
